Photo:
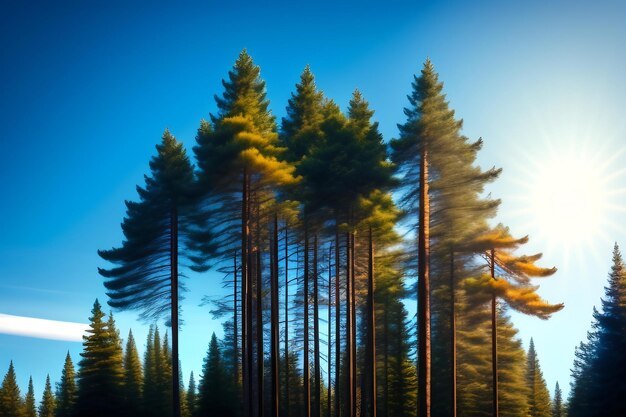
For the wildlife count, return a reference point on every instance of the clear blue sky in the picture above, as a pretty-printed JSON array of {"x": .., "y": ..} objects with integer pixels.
[{"x": 87, "y": 88}]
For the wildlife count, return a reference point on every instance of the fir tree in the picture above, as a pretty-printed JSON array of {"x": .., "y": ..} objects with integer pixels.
[
  {"x": 66, "y": 390},
  {"x": 148, "y": 258},
  {"x": 133, "y": 378},
  {"x": 101, "y": 374},
  {"x": 191, "y": 395},
  {"x": 598, "y": 387},
  {"x": 214, "y": 394},
  {"x": 48, "y": 403},
  {"x": 558, "y": 407},
  {"x": 30, "y": 409},
  {"x": 539, "y": 399},
  {"x": 10, "y": 399}
]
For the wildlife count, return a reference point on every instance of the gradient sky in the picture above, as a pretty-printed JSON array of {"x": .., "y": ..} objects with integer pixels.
[{"x": 87, "y": 88}]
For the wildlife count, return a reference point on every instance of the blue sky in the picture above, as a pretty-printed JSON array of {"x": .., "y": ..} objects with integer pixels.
[{"x": 88, "y": 88}]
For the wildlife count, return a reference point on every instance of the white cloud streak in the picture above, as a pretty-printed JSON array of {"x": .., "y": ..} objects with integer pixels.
[{"x": 42, "y": 328}]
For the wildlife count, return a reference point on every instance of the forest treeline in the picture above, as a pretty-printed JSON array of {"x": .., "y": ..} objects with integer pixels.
[{"x": 322, "y": 231}]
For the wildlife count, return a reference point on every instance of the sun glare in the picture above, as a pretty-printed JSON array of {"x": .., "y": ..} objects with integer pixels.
[{"x": 569, "y": 198}]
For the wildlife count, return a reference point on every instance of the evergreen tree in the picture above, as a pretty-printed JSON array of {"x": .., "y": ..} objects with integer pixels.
[
  {"x": 215, "y": 396},
  {"x": 539, "y": 399},
  {"x": 10, "y": 399},
  {"x": 558, "y": 407},
  {"x": 66, "y": 390},
  {"x": 133, "y": 378},
  {"x": 148, "y": 258},
  {"x": 30, "y": 409},
  {"x": 48, "y": 403},
  {"x": 598, "y": 387},
  {"x": 101, "y": 374},
  {"x": 191, "y": 395}
]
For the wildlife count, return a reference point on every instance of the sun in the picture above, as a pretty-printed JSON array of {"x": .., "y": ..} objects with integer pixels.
[{"x": 568, "y": 198}]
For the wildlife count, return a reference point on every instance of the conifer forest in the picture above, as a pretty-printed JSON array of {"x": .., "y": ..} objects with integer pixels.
[
  {"x": 320, "y": 229},
  {"x": 313, "y": 209}
]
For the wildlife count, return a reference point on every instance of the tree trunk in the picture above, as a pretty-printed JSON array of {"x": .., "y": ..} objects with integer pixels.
[
  {"x": 259, "y": 318},
  {"x": 307, "y": 369},
  {"x": 274, "y": 319},
  {"x": 235, "y": 324},
  {"x": 385, "y": 409},
  {"x": 245, "y": 352},
  {"x": 349, "y": 373},
  {"x": 174, "y": 311},
  {"x": 353, "y": 316},
  {"x": 423, "y": 292},
  {"x": 287, "y": 399},
  {"x": 337, "y": 325},
  {"x": 329, "y": 362},
  {"x": 494, "y": 341},
  {"x": 316, "y": 334},
  {"x": 371, "y": 330},
  {"x": 452, "y": 335},
  {"x": 249, "y": 333}
]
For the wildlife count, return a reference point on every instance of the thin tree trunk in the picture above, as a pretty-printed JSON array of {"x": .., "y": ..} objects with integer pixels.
[
  {"x": 494, "y": 341},
  {"x": 235, "y": 324},
  {"x": 249, "y": 330},
  {"x": 316, "y": 334},
  {"x": 386, "y": 353},
  {"x": 174, "y": 311},
  {"x": 244, "y": 294},
  {"x": 259, "y": 317},
  {"x": 452, "y": 334},
  {"x": 330, "y": 386},
  {"x": 337, "y": 325},
  {"x": 423, "y": 292},
  {"x": 307, "y": 369},
  {"x": 349, "y": 374},
  {"x": 287, "y": 399},
  {"x": 353, "y": 307},
  {"x": 274, "y": 320},
  {"x": 371, "y": 329}
]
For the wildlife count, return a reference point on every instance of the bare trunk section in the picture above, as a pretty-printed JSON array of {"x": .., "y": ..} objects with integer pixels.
[
  {"x": 337, "y": 326},
  {"x": 353, "y": 316},
  {"x": 287, "y": 396},
  {"x": 371, "y": 330},
  {"x": 423, "y": 292},
  {"x": 494, "y": 341},
  {"x": 452, "y": 335},
  {"x": 259, "y": 317},
  {"x": 274, "y": 320},
  {"x": 306, "y": 366},
  {"x": 316, "y": 334},
  {"x": 235, "y": 324},
  {"x": 350, "y": 409},
  {"x": 174, "y": 311},
  {"x": 329, "y": 361}
]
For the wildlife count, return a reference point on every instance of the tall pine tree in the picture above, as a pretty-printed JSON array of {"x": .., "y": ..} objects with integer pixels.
[
  {"x": 10, "y": 399},
  {"x": 539, "y": 397},
  {"x": 146, "y": 277},
  {"x": 30, "y": 409},
  {"x": 48, "y": 404},
  {"x": 133, "y": 378},
  {"x": 66, "y": 389}
]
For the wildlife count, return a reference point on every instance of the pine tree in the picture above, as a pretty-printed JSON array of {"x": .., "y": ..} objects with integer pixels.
[
  {"x": 148, "y": 259},
  {"x": 30, "y": 409},
  {"x": 101, "y": 374},
  {"x": 10, "y": 399},
  {"x": 558, "y": 407},
  {"x": 48, "y": 403},
  {"x": 66, "y": 390},
  {"x": 133, "y": 378},
  {"x": 539, "y": 399},
  {"x": 214, "y": 394},
  {"x": 192, "y": 395},
  {"x": 598, "y": 386}
]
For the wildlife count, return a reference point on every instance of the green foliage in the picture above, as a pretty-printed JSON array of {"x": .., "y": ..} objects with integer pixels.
[
  {"x": 141, "y": 279},
  {"x": 157, "y": 387},
  {"x": 48, "y": 403},
  {"x": 30, "y": 409},
  {"x": 598, "y": 386},
  {"x": 10, "y": 399},
  {"x": 133, "y": 378},
  {"x": 558, "y": 407},
  {"x": 101, "y": 374},
  {"x": 215, "y": 393},
  {"x": 66, "y": 390},
  {"x": 539, "y": 398},
  {"x": 192, "y": 399}
]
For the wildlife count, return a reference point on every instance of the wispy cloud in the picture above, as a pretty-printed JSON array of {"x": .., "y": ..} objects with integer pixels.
[{"x": 42, "y": 328}]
